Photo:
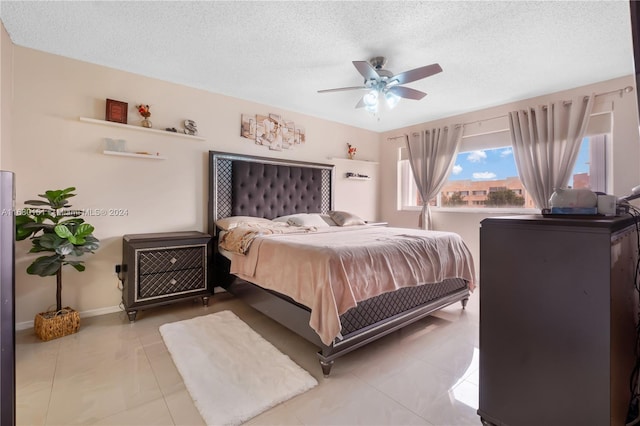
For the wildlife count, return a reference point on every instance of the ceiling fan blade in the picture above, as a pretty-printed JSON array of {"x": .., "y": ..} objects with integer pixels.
[
  {"x": 361, "y": 103},
  {"x": 342, "y": 89},
  {"x": 366, "y": 70},
  {"x": 416, "y": 74},
  {"x": 406, "y": 92}
]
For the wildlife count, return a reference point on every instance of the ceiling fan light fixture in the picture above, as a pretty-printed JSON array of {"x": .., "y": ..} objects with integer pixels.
[
  {"x": 381, "y": 84},
  {"x": 392, "y": 99},
  {"x": 371, "y": 99}
]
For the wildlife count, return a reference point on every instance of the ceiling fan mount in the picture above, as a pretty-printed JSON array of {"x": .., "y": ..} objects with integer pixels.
[
  {"x": 381, "y": 83},
  {"x": 379, "y": 63}
]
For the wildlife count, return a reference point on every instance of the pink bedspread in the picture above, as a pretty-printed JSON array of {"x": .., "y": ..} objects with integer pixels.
[{"x": 332, "y": 269}]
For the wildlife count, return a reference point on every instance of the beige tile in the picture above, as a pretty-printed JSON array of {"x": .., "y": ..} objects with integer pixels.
[
  {"x": 346, "y": 400},
  {"x": 167, "y": 375},
  {"x": 32, "y": 406},
  {"x": 154, "y": 413},
  {"x": 417, "y": 386},
  {"x": 34, "y": 372},
  {"x": 455, "y": 357},
  {"x": 182, "y": 409},
  {"x": 378, "y": 360},
  {"x": 110, "y": 388},
  {"x": 281, "y": 415},
  {"x": 458, "y": 407},
  {"x": 120, "y": 373}
]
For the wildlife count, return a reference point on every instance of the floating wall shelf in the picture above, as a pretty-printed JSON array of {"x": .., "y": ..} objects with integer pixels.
[
  {"x": 140, "y": 128},
  {"x": 346, "y": 160},
  {"x": 135, "y": 154},
  {"x": 358, "y": 178}
]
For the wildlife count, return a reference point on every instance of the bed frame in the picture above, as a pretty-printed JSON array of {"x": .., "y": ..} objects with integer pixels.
[{"x": 268, "y": 187}]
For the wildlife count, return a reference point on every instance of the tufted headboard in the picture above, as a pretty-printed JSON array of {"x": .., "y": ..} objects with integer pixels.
[{"x": 242, "y": 185}]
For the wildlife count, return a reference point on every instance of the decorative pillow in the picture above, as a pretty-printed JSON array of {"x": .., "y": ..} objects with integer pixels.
[
  {"x": 303, "y": 219},
  {"x": 328, "y": 219},
  {"x": 345, "y": 218},
  {"x": 233, "y": 221}
]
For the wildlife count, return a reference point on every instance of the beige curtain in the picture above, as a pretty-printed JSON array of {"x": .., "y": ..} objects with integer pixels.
[
  {"x": 546, "y": 141},
  {"x": 432, "y": 154}
]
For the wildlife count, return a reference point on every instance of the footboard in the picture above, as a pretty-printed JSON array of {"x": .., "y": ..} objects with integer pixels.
[
  {"x": 370, "y": 320},
  {"x": 388, "y": 312}
]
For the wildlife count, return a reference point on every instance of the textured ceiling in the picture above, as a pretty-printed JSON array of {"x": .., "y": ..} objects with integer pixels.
[{"x": 281, "y": 53}]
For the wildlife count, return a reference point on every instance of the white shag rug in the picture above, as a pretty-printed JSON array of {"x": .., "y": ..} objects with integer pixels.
[{"x": 231, "y": 372}]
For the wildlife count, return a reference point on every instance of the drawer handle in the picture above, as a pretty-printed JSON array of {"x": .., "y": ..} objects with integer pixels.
[
  {"x": 173, "y": 260},
  {"x": 172, "y": 282}
]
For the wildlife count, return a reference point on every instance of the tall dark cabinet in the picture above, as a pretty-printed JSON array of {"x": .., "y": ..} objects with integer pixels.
[
  {"x": 7, "y": 303},
  {"x": 557, "y": 320}
]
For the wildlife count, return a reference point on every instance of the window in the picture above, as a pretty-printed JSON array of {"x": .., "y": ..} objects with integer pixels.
[{"x": 488, "y": 178}]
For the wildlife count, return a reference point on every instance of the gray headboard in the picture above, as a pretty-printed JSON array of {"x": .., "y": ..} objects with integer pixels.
[{"x": 242, "y": 185}]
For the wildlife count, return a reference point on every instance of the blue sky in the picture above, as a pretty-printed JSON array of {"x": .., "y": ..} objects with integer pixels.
[{"x": 498, "y": 163}]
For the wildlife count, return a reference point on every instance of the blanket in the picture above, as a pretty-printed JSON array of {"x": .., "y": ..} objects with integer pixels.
[
  {"x": 239, "y": 239},
  {"x": 332, "y": 269}
]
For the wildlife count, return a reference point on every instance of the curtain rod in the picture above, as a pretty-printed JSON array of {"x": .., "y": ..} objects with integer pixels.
[{"x": 621, "y": 92}]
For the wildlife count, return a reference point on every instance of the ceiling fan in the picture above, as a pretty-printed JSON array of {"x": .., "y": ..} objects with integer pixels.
[{"x": 382, "y": 83}]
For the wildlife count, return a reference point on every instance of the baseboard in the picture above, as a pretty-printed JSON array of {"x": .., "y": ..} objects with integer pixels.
[
  {"x": 84, "y": 314},
  {"x": 95, "y": 312}
]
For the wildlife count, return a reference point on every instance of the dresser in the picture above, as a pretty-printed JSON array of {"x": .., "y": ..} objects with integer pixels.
[
  {"x": 557, "y": 320},
  {"x": 162, "y": 268}
]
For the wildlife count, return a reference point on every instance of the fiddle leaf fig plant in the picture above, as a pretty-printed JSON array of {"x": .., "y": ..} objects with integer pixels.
[{"x": 54, "y": 227}]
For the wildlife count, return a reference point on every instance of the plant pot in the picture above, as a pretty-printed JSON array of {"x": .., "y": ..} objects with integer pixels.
[{"x": 53, "y": 324}]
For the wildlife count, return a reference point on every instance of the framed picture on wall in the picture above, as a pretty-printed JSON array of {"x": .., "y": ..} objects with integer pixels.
[{"x": 116, "y": 111}]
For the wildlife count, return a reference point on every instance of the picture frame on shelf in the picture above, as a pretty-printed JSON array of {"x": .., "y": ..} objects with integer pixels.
[{"x": 116, "y": 111}]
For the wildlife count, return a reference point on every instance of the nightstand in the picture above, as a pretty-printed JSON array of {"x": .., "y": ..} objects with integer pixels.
[{"x": 163, "y": 268}]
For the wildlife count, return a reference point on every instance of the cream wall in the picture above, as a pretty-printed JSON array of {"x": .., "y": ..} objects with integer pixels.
[
  {"x": 623, "y": 156},
  {"x": 53, "y": 149}
]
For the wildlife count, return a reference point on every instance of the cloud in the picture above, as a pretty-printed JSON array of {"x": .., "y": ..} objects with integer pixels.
[
  {"x": 506, "y": 152},
  {"x": 457, "y": 169},
  {"x": 484, "y": 175},
  {"x": 477, "y": 156}
]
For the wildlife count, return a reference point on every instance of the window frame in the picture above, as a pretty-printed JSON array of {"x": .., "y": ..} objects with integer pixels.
[{"x": 599, "y": 153}]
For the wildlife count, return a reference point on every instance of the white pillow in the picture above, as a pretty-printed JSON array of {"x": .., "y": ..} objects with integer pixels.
[
  {"x": 284, "y": 218},
  {"x": 308, "y": 220},
  {"x": 231, "y": 222},
  {"x": 303, "y": 219},
  {"x": 345, "y": 218}
]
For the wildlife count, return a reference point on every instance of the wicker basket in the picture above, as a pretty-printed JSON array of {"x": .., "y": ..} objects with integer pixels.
[{"x": 54, "y": 324}]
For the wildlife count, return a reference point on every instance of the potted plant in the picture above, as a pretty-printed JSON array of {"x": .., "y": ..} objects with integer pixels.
[{"x": 53, "y": 227}]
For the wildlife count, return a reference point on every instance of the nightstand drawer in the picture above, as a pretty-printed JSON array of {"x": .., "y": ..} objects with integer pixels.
[
  {"x": 152, "y": 261},
  {"x": 172, "y": 283}
]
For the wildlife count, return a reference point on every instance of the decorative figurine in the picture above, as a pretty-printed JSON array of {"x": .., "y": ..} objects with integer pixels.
[
  {"x": 145, "y": 112},
  {"x": 351, "y": 151}
]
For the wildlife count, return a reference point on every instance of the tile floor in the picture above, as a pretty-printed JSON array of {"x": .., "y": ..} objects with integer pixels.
[{"x": 116, "y": 373}]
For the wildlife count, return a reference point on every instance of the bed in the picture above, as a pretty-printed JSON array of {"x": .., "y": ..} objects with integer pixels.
[{"x": 267, "y": 188}]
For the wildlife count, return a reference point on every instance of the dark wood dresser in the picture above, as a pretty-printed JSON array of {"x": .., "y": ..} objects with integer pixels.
[
  {"x": 163, "y": 268},
  {"x": 557, "y": 321}
]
